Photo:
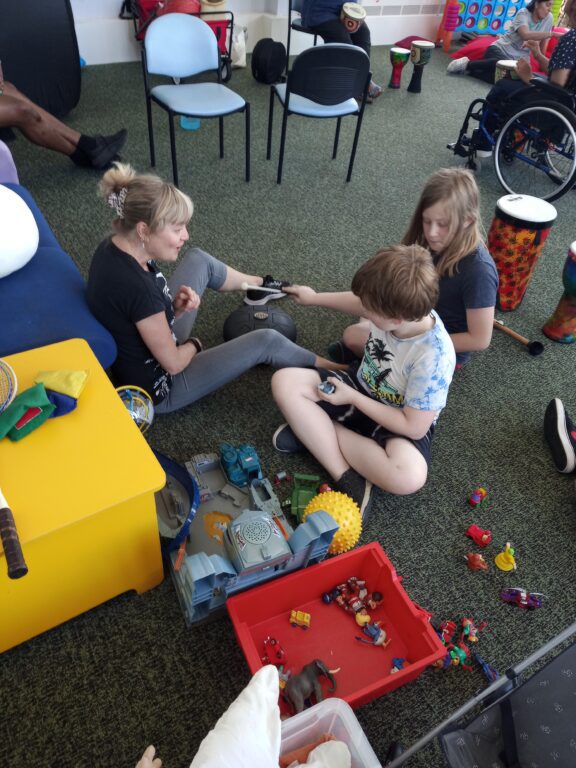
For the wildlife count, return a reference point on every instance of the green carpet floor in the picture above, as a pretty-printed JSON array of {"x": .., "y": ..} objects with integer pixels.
[{"x": 98, "y": 689}]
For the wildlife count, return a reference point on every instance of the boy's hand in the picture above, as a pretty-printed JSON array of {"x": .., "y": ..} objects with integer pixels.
[
  {"x": 302, "y": 294},
  {"x": 186, "y": 300},
  {"x": 342, "y": 395}
]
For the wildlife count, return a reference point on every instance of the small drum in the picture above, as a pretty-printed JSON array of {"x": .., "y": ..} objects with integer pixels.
[
  {"x": 398, "y": 59},
  {"x": 562, "y": 325},
  {"x": 506, "y": 69},
  {"x": 517, "y": 235},
  {"x": 420, "y": 54},
  {"x": 352, "y": 16}
]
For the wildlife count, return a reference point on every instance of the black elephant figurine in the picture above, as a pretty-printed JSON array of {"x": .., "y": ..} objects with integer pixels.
[{"x": 306, "y": 683}]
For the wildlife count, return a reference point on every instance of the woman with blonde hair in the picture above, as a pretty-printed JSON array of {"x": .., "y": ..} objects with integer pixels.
[
  {"x": 447, "y": 222},
  {"x": 151, "y": 318}
]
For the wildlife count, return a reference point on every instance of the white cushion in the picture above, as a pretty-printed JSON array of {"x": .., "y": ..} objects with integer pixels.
[
  {"x": 19, "y": 240},
  {"x": 248, "y": 733}
]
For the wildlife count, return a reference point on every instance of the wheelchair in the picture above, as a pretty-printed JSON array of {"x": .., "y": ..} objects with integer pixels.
[{"x": 531, "y": 134}]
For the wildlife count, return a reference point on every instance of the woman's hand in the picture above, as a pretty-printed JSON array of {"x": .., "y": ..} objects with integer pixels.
[
  {"x": 532, "y": 45},
  {"x": 302, "y": 294},
  {"x": 148, "y": 760},
  {"x": 186, "y": 300}
]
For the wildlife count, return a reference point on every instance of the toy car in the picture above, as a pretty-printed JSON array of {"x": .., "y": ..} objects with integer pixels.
[
  {"x": 300, "y": 619},
  {"x": 273, "y": 652},
  {"x": 523, "y": 599},
  {"x": 327, "y": 387}
]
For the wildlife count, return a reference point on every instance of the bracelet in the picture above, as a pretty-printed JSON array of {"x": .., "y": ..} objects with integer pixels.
[{"x": 196, "y": 342}]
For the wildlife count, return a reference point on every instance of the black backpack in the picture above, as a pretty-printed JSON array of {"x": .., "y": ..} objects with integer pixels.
[{"x": 268, "y": 60}]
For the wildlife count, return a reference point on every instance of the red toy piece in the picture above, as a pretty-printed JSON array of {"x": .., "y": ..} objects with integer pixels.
[
  {"x": 273, "y": 652},
  {"x": 477, "y": 496},
  {"x": 476, "y": 561},
  {"x": 281, "y": 477},
  {"x": 479, "y": 536}
]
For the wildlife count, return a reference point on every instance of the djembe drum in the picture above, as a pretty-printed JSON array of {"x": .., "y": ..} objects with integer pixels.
[
  {"x": 506, "y": 69},
  {"x": 517, "y": 235},
  {"x": 562, "y": 325},
  {"x": 398, "y": 58},
  {"x": 352, "y": 16},
  {"x": 420, "y": 54}
]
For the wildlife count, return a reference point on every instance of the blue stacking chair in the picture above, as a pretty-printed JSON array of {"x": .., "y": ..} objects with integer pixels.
[
  {"x": 327, "y": 81},
  {"x": 179, "y": 46},
  {"x": 295, "y": 23}
]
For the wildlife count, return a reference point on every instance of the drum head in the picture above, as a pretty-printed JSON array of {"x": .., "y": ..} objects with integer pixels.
[
  {"x": 527, "y": 208},
  {"x": 354, "y": 11},
  {"x": 397, "y": 49},
  {"x": 424, "y": 44}
]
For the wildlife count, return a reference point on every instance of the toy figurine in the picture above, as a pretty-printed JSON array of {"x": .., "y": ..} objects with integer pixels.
[
  {"x": 362, "y": 617},
  {"x": 273, "y": 652},
  {"x": 446, "y": 631},
  {"x": 281, "y": 477},
  {"x": 477, "y": 496},
  {"x": 476, "y": 561},
  {"x": 324, "y": 488},
  {"x": 523, "y": 599},
  {"x": 505, "y": 560},
  {"x": 376, "y": 634},
  {"x": 479, "y": 536},
  {"x": 470, "y": 630},
  {"x": 307, "y": 683},
  {"x": 490, "y": 672},
  {"x": 374, "y": 599},
  {"x": 397, "y": 664}
]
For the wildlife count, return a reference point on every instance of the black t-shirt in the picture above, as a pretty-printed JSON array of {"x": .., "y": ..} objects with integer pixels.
[
  {"x": 474, "y": 285},
  {"x": 119, "y": 294}
]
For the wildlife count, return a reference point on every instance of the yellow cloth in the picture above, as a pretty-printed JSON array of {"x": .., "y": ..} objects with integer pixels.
[{"x": 69, "y": 383}]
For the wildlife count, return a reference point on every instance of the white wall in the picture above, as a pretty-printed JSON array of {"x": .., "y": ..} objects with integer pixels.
[{"x": 104, "y": 38}]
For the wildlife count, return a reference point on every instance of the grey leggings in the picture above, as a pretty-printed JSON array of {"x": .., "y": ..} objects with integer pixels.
[{"x": 215, "y": 367}]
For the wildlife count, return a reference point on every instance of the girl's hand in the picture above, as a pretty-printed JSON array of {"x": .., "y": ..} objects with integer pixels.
[
  {"x": 148, "y": 759},
  {"x": 186, "y": 300},
  {"x": 302, "y": 294},
  {"x": 343, "y": 394}
]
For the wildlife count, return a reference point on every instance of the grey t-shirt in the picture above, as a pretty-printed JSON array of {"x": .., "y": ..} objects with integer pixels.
[{"x": 511, "y": 43}]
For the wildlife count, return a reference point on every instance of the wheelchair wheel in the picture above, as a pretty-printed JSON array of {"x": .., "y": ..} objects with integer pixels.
[{"x": 535, "y": 151}]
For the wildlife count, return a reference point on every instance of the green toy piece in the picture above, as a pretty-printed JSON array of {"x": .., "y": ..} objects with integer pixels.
[{"x": 305, "y": 488}]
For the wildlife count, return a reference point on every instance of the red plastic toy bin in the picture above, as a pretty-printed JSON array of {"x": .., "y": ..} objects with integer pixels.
[{"x": 364, "y": 669}]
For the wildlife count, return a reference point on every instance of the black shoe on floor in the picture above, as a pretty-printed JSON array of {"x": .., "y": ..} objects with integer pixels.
[
  {"x": 560, "y": 435},
  {"x": 106, "y": 149},
  {"x": 263, "y": 296},
  {"x": 359, "y": 489},
  {"x": 340, "y": 353},
  {"x": 285, "y": 441}
]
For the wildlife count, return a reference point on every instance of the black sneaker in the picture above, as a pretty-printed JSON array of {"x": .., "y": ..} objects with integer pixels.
[
  {"x": 285, "y": 441},
  {"x": 106, "y": 149},
  {"x": 340, "y": 353},
  {"x": 560, "y": 435},
  {"x": 263, "y": 296},
  {"x": 359, "y": 489}
]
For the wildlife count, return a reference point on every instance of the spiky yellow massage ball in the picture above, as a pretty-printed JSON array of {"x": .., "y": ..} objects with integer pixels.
[{"x": 345, "y": 512}]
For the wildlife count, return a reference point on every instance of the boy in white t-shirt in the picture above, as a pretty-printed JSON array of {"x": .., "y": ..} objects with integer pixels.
[{"x": 375, "y": 428}]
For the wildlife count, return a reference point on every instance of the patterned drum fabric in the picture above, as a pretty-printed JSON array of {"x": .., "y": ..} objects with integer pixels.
[
  {"x": 515, "y": 240},
  {"x": 562, "y": 325}
]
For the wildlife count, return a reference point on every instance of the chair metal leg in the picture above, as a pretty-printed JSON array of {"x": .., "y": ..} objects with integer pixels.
[
  {"x": 336, "y": 137},
  {"x": 173, "y": 148},
  {"x": 282, "y": 144},
  {"x": 270, "y": 121},
  {"x": 247, "y": 110},
  {"x": 355, "y": 144},
  {"x": 150, "y": 132},
  {"x": 221, "y": 133}
]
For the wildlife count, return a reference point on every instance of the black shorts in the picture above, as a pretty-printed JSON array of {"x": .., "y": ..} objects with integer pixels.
[{"x": 358, "y": 422}]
